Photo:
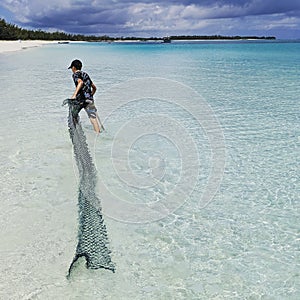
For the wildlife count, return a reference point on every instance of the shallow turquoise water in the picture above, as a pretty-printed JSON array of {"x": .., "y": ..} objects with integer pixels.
[{"x": 243, "y": 244}]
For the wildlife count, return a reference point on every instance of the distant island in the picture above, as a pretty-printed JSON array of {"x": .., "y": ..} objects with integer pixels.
[{"x": 13, "y": 32}]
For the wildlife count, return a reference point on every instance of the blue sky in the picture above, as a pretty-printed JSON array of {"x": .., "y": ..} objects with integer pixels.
[{"x": 280, "y": 18}]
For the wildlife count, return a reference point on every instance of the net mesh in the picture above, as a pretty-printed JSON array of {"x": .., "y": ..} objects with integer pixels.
[{"x": 92, "y": 233}]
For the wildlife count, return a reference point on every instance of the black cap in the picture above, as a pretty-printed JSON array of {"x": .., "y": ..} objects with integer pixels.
[{"x": 76, "y": 63}]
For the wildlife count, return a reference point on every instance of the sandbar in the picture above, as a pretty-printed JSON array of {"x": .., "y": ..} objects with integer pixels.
[{"x": 9, "y": 46}]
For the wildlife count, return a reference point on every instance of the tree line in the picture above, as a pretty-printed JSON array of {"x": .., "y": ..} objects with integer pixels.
[
  {"x": 13, "y": 32},
  {"x": 220, "y": 37}
]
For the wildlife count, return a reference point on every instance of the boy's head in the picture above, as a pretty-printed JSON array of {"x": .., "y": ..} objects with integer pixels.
[{"x": 77, "y": 64}]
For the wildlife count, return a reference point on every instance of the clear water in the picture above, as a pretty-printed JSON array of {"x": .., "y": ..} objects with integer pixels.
[{"x": 155, "y": 156}]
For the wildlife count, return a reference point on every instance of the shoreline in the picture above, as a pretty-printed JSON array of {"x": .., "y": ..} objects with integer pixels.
[
  {"x": 12, "y": 46},
  {"x": 7, "y": 46}
]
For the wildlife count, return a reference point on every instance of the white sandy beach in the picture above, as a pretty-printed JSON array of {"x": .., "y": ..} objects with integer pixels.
[{"x": 8, "y": 46}]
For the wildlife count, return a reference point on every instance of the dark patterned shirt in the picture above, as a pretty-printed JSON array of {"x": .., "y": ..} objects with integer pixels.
[{"x": 86, "y": 90}]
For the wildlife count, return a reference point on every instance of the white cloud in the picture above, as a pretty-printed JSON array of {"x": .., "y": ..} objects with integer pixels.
[
  {"x": 178, "y": 16},
  {"x": 284, "y": 22}
]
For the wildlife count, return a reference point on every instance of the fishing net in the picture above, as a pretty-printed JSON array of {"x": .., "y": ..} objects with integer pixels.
[{"x": 92, "y": 234}]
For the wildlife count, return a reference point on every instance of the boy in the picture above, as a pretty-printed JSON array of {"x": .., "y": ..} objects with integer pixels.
[{"x": 84, "y": 92}]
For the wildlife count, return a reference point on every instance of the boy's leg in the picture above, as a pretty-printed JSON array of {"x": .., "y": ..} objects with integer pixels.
[
  {"x": 99, "y": 122},
  {"x": 95, "y": 124},
  {"x": 92, "y": 114}
]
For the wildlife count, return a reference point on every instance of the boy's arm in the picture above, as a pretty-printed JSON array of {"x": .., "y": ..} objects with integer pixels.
[
  {"x": 78, "y": 88},
  {"x": 94, "y": 89}
]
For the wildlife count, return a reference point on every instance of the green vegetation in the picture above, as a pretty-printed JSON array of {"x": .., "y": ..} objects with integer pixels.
[
  {"x": 220, "y": 37},
  {"x": 13, "y": 32}
]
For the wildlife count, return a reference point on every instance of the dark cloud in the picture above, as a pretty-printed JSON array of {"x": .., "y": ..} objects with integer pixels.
[{"x": 146, "y": 16}]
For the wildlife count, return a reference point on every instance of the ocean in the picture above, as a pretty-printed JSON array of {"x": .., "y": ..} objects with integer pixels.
[{"x": 198, "y": 171}]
